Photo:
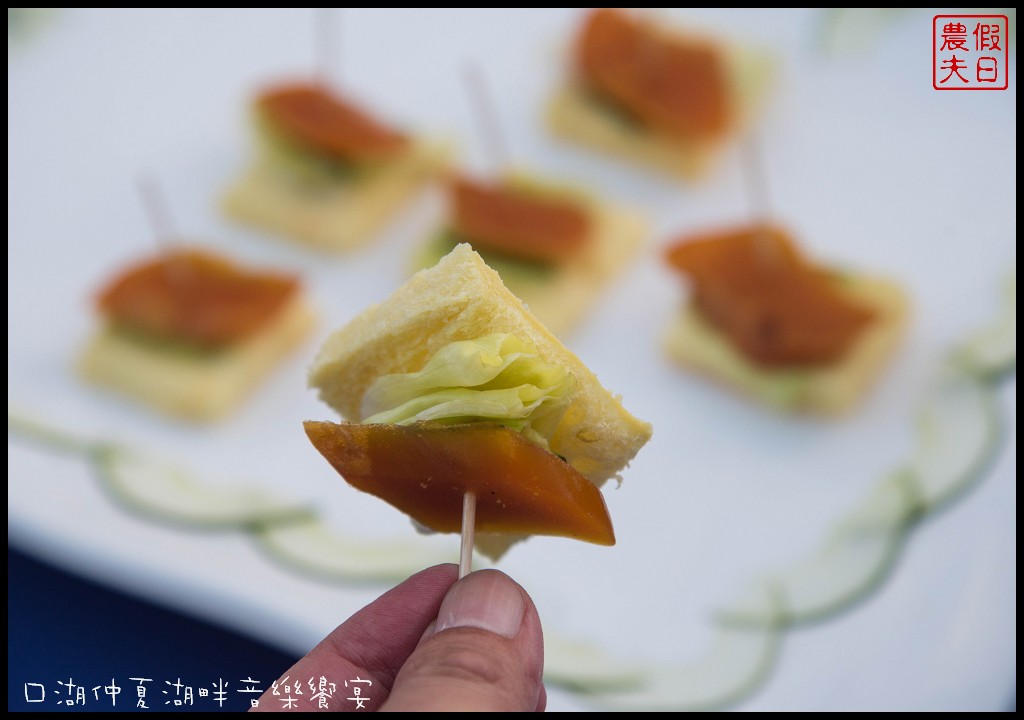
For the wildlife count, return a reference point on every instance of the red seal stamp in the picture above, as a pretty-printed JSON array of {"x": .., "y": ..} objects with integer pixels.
[{"x": 970, "y": 52}]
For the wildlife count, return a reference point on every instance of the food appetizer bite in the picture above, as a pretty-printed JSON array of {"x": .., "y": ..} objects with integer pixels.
[
  {"x": 190, "y": 333},
  {"x": 555, "y": 248},
  {"x": 765, "y": 320},
  {"x": 453, "y": 386},
  {"x": 326, "y": 173},
  {"x": 659, "y": 97}
]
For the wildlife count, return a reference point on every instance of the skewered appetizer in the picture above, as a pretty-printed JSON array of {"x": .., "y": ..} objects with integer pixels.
[
  {"x": 326, "y": 173},
  {"x": 190, "y": 332},
  {"x": 765, "y": 320},
  {"x": 662, "y": 98},
  {"x": 452, "y": 386}
]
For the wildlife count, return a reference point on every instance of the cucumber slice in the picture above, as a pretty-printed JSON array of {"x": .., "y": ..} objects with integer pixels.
[
  {"x": 171, "y": 495},
  {"x": 738, "y": 662},
  {"x": 38, "y": 432},
  {"x": 584, "y": 667},
  {"x": 853, "y": 560},
  {"x": 958, "y": 432},
  {"x": 310, "y": 547},
  {"x": 992, "y": 351}
]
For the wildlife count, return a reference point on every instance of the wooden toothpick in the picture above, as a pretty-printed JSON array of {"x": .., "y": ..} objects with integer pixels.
[
  {"x": 757, "y": 195},
  {"x": 325, "y": 43},
  {"x": 156, "y": 209},
  {"x": 163, "y": 228},
  {"x": 486, "y": 118},
  {"x": 757, "y": 179},
  {"x": 468, "y": 534}
]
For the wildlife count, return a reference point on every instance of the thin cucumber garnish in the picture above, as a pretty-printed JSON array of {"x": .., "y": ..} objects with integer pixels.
[
  {"x": 584, "y": 667},
  {"x": 312, "y": 548},
  {"x": 737, "y": 663},
  {"x": 852, "y": 561},
  {"x": 51, "y": 438},
  {"x": 304, "y": 167},
  {"x": 992, "y": 351},
  {"x": 161, "y": 491},
  {"x": 172, "y": 495},
  {"x": 958, "y": 433}
]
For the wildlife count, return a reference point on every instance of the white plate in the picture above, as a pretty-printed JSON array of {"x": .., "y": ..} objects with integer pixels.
[{"x": 869, "y": 165}]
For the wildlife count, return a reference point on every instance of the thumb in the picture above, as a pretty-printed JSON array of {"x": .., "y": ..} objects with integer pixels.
[{"x": 485, "y": 652}]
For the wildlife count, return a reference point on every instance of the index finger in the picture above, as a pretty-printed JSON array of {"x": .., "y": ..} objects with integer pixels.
[{"x": 371, "y": 646}]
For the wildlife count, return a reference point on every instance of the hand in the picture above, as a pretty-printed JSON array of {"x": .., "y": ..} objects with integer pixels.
[{"x": 429, "y": 644}]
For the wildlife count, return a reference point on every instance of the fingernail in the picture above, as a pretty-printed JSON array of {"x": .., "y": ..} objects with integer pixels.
[{"x": 486, "y": 600}]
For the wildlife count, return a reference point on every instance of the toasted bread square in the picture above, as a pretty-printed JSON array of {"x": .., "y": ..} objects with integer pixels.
[
  {"x": 335, "y": 215},
  {"x": 193, "y": 385}
]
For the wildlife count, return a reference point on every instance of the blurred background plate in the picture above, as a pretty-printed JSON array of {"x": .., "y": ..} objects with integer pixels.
[{"x": 869, "y": 166}]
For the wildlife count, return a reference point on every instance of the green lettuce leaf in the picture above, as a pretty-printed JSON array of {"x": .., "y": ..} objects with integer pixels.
[{"x": 496, "y": 378}]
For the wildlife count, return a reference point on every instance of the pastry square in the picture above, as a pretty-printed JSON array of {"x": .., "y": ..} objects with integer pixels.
[
  {"x": 190, "y": 383},
  {"x": 336, "y": 214}
]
